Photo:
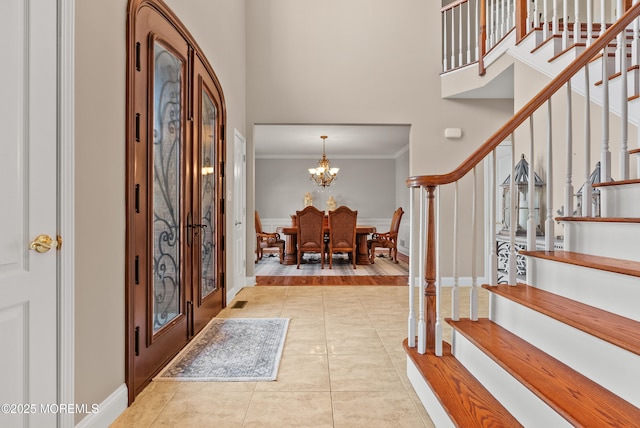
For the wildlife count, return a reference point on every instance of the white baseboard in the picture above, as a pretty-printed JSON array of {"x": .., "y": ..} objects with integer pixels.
[
  {"x": 109, "y": 410},
  {"x": 463, "y": 281}
]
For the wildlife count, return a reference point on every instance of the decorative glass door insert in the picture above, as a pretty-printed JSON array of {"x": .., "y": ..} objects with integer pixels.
[
  {"x": 167, "y": 289},
  {"x": 208, "y": 196}
]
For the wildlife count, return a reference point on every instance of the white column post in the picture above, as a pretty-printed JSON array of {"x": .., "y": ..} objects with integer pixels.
[
  {"x": 568, "y": 195},
  {"x": 422, "y": 325},
  {"x": 473, "y": 298},
  {"x": 413, "y": 258},
  {"x": 586, "y": 189},
  {"x": 531, "y": 191},
  {"x": 455, "y": 300},
  {"x": 605, "y": 155},
  {"x": 513, "y": 263},
  {"x": 549, "y": 231}
]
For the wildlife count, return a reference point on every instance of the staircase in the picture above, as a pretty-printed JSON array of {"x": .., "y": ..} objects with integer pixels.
[{"x": 561, "y": 347}]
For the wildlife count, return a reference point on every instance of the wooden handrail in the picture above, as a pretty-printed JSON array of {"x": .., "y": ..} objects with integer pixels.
[
  {"x": 528, "y": 109},
  {"x": 452, "y": 5}
]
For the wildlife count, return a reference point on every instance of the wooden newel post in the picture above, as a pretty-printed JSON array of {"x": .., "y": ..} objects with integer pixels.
[{"x": 430, "y": 272}]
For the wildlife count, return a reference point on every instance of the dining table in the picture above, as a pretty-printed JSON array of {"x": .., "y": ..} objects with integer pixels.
[{"x": 291, "y": 243}]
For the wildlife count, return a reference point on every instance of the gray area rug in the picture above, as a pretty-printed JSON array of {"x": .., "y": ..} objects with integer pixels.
[
  {"x": 270, "y": 266},
  {"x": 231, "y": 349}
]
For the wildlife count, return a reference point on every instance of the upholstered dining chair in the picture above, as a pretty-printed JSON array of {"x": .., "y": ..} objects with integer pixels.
[
  {"x": 388, "y": 239},
  {"x": 310, "y": 233},
  {"x": 342, "y": 233},
  {"x": 267, "y": 240}
]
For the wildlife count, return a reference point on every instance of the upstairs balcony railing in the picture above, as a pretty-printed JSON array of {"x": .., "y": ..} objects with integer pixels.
[
  {"x": 471, "y": 28},
  {"x": 565, "y": 126}
]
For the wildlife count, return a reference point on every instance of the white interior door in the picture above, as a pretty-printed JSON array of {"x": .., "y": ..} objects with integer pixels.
[
  {"x": 239, "y": 210},
  {"x": 28, "y": 324}
]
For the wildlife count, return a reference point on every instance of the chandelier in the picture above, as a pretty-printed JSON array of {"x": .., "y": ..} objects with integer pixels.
[{"x": 323, "y": 175}]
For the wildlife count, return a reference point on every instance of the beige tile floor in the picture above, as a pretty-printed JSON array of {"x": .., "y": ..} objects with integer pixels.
[{"x": 343, "y": 365}]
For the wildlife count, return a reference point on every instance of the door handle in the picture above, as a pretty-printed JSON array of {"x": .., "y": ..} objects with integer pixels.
[
  {"x": 44, "y": 243},
  {"x": 237, "y": 223}
]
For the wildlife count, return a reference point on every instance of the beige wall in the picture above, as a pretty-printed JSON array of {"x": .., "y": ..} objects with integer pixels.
[
  {"x": 218, "y": 26},
  {"x": 361, "y": 61}
]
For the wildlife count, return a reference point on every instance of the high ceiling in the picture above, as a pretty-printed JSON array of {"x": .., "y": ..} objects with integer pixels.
[{"x": 343, "y": 141}]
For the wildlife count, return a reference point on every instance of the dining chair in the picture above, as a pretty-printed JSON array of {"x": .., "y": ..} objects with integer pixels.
[
  {"x": 310, "y": 233},
  {"x": 388, "y": 239},
  {"x": 342, "y": 233},
  {"x": 267, "y": 240}
]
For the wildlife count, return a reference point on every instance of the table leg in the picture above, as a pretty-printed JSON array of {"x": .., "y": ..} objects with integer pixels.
[
  {"x": 290, "y": 250},
  {"x": 362, "y": 253}
]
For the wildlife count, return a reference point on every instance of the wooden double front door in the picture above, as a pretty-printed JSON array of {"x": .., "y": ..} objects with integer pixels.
[{"x": 175, "y": 190}]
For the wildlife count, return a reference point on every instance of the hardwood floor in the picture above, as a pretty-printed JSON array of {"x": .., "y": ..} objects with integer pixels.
[
  {"x": 382, "y": 280},
  {"x": 332, "y": 280}
]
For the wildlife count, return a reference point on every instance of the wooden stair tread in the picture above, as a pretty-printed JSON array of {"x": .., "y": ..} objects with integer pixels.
[
  {"x": 617, "y": 183},
  {"x": 600, "y": 219},
  {"x": 462, "y": 396},
  {"x": 609, "y": 264},
  {"x": 575, "y": 397},
  {"x": 610, "y": 327}
]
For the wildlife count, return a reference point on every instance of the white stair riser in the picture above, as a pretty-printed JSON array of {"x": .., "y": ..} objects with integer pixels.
[
  {"x": 609, "y": 291},
  {"x": 437, "y": 413},
  {"x": 524, "y": 405},
  {"x": 620, "y": 201},
  {"x": 617, "y": 240},
  {"x": 602, "y": 362}
]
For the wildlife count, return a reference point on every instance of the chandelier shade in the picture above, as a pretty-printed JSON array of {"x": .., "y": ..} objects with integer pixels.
[{"x": 323, "y": 175}]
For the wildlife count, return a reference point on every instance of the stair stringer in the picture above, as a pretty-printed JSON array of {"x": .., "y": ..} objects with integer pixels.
[
  {"x": 437, "y": 413},
  {"x": 601, "y": 361}
]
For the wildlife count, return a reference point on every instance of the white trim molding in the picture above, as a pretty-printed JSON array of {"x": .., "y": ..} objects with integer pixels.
[
  {"x": 65, "y": 208},
  {"x": 108, "y": 410}
]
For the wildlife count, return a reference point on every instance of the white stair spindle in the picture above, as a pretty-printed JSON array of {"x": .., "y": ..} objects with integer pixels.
[
  {"x": 603, "y": 17},
  {"x": 438, "y": 326},
  {"x": 546, "y": 32},
  {"x": 536, "y": 14},
  {"x": 586, "y": 189},
  {"x": 568, "y": 195},
  {"x": 422, "y": 325},
  {"x": 460, "y": 38},
  {"x": 513, "y": 263},
  {"x": 529, "y": 7},
  {"x": 531, "y": 190},
  {"x": 635, "y": 45},
  {"x": 493, "y": 218},
  {"x": 469, "y": 32},
  {"x": 605, "y": 156},
  {"x": 455, "y": 298},
  {"x": 621, "y": 39},
  {"x": 589, "y": 22},
  {"x": 549, "y": 231},
  {"x": 477, "y": 32},
  {"x": 565, "y": 24},
  {"x": 473, "y": 298},
  {"x": 577, "y": 33},
  {"x": 453, "y": 38},
  {"x": 554, "y": 18},
  {"x": 624, "y": 113},
  {"x": 445, "y": 42},
  {"x": 413, "y": 258}
]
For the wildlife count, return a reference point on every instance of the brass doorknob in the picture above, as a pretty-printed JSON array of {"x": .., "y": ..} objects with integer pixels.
[{"x": 44, "y": 243}]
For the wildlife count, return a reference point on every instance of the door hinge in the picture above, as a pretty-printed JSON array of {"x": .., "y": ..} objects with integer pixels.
[
  {"x": 222, "y": 279},
  {"x": 222, "y": 132},
  {"x": 222, "y": 169},
  {"x": 222, "y": 242},
  {"x": 136, "y": 344},
  {"x": 222, "y": 206}
]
